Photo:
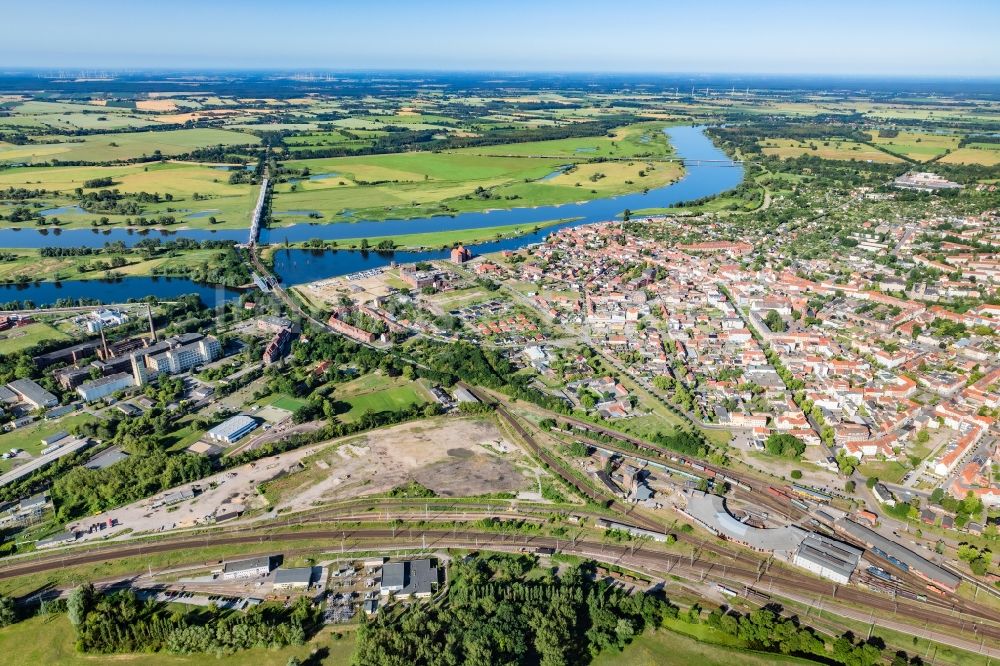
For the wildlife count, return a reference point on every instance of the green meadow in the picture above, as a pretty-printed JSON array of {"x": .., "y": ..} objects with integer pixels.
[
  {"x": 231, "y": 205},
  {"x": 422, "y": 184}
]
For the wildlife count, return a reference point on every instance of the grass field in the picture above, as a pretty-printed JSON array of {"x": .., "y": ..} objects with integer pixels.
[
  {"x": 641, "y": 139},
  {"x": 30, "y": 437},
  {"x": 21, "y": 644},
  {"x": 919, "y": 146},
  {"x": 22, "y": 337},
  {"x": 832, "y": 149},
  {"x": 287, "y": 402},
  {"x": 378, "y": 393},
  {"x": 667, "y": 648},
  {"x": 111, "y": 147},
  {"x": 892, "y": 472}
]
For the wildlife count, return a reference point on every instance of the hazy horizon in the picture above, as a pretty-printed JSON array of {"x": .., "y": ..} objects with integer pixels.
[{"x": 780, "y": 38}]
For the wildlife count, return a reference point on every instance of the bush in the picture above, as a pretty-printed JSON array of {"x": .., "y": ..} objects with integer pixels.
[{"x": 796, "y": 474}]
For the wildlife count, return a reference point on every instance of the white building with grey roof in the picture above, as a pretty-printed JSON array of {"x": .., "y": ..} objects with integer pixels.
[{"x": 253, "y": 567}]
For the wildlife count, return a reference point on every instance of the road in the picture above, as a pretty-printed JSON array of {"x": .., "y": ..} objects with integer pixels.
[
  {"x": 41, "y": 461},
  {"x": 82, "y": 308}
]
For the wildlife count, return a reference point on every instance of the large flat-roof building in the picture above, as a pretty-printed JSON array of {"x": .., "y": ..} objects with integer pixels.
[
  {"x": 33, "y": 394},
  {"x": 296, "y": 578},
  {"x": 924, "y": 181},
  {"x": 105, "y": 386},
  {"x": 415, "y": 578},
  {"x": 233, "y": 429}
]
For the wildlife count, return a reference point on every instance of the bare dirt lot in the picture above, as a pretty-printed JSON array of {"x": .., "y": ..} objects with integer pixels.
[{"x": 454, "y": 457}]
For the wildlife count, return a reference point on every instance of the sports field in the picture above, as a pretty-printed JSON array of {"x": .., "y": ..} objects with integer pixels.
[{"x": 112, "y": 147}]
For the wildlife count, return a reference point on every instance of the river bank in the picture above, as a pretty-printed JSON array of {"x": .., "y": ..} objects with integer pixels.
[{"x": 294, "y": 264}]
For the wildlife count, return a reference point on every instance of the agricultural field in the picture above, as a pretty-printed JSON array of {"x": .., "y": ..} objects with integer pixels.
[
  {"x": 122, "y": 146},
  {"x": 986, "y": 154},
  {"x": 830, "y": 149},
  {"x": 348, "y": 140},
  {"x": 62, "y": 116},
  {"x": 918, "y": 146}
]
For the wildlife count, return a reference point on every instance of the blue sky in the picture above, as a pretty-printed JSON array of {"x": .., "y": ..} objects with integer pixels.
[{"x": 873, "y": 37}]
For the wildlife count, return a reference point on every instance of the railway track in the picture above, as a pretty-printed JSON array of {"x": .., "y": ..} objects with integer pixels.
[
  {"x": 650, "y": 561},
  {"x": 556, "y": 465},
  {"x": 664, "y": 454}
]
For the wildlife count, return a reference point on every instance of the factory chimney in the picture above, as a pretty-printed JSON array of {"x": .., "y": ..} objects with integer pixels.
[
  {"x": 104, "y": 344},
  {"x": 152, "y": 329}
]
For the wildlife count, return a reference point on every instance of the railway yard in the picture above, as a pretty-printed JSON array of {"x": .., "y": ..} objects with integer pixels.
[{"x": 336, "y": 527}]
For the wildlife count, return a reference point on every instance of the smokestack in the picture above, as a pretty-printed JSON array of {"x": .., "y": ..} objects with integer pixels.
[
  {"x": 152, "y": 329},
  {"x": 104, "y": 343}
]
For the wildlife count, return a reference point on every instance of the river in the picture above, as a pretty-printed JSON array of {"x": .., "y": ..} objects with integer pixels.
[{"x": 296, "y": 266}]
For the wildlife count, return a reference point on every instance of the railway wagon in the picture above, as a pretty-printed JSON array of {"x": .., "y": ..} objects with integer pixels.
[
  {"x": 810, "y": 493},
  {"x": 729, "y": 592},
  {"x": 896, "y": 562},
  {"x": 879, "y": 572},
  {"x": 777, "y": 493}
]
